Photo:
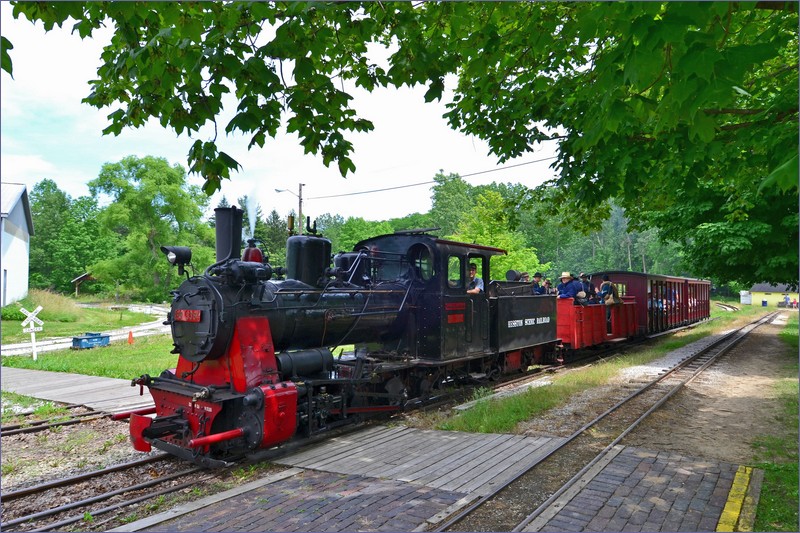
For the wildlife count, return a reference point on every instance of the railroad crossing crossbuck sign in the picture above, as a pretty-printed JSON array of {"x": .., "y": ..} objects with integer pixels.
[
  {"x": 33, "y": 324},
  {"x": 32, "y": 318}
]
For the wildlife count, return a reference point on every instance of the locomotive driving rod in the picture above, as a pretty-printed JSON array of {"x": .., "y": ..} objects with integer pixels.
[{"x": 217, "y": 437}]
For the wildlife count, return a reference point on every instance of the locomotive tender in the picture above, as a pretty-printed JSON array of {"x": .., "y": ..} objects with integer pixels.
[{"x": 255, "y": 354}]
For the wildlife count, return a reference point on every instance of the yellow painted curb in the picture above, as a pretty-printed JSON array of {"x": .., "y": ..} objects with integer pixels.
[{"x": 736, "y": 496}]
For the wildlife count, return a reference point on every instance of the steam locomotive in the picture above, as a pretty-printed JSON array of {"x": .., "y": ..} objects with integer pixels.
[{"x": 255, "y": 344}]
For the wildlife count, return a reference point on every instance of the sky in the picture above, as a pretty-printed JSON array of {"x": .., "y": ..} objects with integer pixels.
[{"x": 46, "y": 132}]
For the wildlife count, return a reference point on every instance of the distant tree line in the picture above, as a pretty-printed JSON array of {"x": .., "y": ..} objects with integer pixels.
[{"x": 137, "y": 205}]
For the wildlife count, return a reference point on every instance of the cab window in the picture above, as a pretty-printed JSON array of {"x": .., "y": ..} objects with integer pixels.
[
  {"x": 422, "y": 261},
  {"x": 455, "y": 272}
]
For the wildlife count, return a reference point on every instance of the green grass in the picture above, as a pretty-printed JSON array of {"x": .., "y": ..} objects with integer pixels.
[
  {"x": 63, "y": 318},
  {"x": 147, "y": 355},
  {"x": 502, "y": 415},
  {"x": 41, "y": 409},
  {"x": 22, "y": 401},
  {"x": 778, "y": 456}
]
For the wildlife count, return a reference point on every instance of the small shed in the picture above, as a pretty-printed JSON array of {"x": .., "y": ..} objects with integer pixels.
[
  {"x": 16, "y": 229},
  {"x": 80, "y": 279},
  {"x": 772, "y": 294}
]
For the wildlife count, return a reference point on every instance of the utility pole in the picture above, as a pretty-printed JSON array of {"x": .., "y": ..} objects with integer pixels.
[{"x": 300, "y": 209}]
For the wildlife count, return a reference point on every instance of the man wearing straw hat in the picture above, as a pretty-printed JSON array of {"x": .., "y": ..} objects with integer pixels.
[{"x": 569, "y": 287}]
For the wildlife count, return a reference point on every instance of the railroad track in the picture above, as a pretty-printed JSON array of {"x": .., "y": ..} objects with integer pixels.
[
  {"x": 63, "y": 502},
  {"x": 35, "y": 426},
  {"x": 585, "y": 447}
]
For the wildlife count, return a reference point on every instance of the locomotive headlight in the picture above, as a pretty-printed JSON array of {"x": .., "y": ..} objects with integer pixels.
[{"x": 178, "y": 255}]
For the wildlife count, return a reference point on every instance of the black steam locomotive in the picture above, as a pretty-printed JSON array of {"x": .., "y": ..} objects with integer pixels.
[{"x": 255, "y": 354}]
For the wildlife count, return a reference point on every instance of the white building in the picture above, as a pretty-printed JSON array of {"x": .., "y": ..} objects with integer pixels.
[{"x": 15, "y": 237}]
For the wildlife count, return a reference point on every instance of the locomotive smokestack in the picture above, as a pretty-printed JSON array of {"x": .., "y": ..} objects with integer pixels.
[{"x": 229, "y": 232}]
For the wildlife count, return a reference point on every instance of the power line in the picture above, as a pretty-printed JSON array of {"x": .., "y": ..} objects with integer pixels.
[
  {"x": 428, "y": 182},
  {"x": 509, "y": 166}
]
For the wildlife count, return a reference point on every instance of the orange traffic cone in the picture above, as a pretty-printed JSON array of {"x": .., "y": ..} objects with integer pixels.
[{"x": 130, "y": 337}]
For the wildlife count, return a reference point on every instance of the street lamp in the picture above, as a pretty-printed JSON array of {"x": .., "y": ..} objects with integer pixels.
[{"x": 299, "y": 207}]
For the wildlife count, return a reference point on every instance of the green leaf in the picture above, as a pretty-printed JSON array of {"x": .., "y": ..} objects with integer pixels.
[
  {"x": 303, "y": 68},
  {"x": 703, "y": 127},
  {"x": 783, "y": 177},
  {"x": 434, "y": 92},
  {"x": 5, "y": 58}
]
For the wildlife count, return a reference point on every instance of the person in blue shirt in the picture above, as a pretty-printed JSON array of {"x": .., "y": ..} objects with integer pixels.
[
  {"x": 475, "y": 283},
  {"x": 569, "y": 286}
]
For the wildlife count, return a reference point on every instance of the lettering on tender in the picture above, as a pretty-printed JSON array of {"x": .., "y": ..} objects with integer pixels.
[{"x": 528, "y": 321}]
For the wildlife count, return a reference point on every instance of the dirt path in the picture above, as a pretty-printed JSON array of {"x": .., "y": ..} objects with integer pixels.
[{"x": 720, "y": 415}]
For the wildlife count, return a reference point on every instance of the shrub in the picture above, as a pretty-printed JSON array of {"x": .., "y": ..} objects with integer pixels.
[
  {"x": 55, "y": 307},
  {"x": 12, "y": 312}
]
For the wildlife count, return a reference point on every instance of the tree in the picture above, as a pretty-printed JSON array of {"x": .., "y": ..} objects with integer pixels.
[
  {"x": 152, "y": 206},
  {"x": 645, "y": 99},
  {"x": 451, "y": 200},
  {"x": 330, "y": 226},
  {"x": 82, "y": 242},
  {"x": 357, "y": 229},
  {"x": 67, "y": 240},
  {"x": 49, "y": 211},
  {"x": 487, "y": 223},
  {"x": 274, "y": 238},
  {"x": 412, "y": 221}
]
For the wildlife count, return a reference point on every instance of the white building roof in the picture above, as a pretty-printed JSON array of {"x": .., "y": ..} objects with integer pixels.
[{"x": 10, "y": 195}]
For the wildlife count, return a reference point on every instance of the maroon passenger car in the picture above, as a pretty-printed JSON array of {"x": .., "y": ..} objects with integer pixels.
[{"x": 662, "y": 302}]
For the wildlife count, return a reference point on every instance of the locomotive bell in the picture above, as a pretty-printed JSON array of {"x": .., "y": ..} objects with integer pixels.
[{"x": 252, "y": 253}]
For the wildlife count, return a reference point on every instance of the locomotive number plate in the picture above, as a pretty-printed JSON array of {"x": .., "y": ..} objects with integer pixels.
[{"x": 187, "y": 315}]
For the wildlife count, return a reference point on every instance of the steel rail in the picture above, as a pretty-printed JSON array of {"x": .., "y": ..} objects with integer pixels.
[
  {"x": 98, "y": 498},
  {"x": 44, "y": 425},
  {"x": 40, "y": 422},
  {"x": 120, "y": 505},
  {"x": 685, "y": 362},
  {"x": 80, "y": 477}
]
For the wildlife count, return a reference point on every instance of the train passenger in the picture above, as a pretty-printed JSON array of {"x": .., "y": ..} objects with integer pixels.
[
  {"x": 608, "y": 291},
  {"x": 537, "y": 287},
  {"x": 548, "y": 287},
  {"x": 569, "y": 287},
  {"x": 588, "y": 288},
  {"x": 475, "y": 283},
  {"x": 609, "y": 295}
]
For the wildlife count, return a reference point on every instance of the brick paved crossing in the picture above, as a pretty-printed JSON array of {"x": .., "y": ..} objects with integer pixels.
[
  {"x": 320, "y": 501},
  {"x": 643, "y": 490}
]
